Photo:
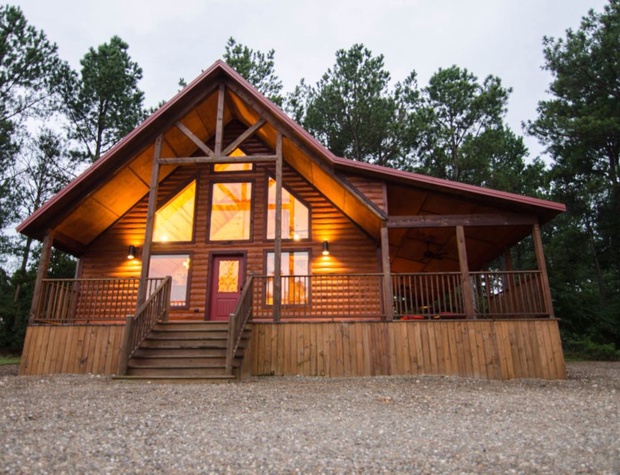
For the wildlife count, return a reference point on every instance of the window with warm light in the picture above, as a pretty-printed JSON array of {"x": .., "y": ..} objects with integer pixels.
[
  {"x": 177, "y": 267},
  {"x": 231, "y": 206},
  {"x": 233, "y": 167},
  {"x": 295, "y": 215},
  {"x": 174, "y": 221},
  {"x": 294, "y": 269}
]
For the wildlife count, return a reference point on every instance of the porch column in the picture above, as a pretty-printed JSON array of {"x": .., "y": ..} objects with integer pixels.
[
  {"x": 277, "y": 242},
  {"x": 388, "y": 291},
  {"x": 466, "y": 287},
  {"x": 150, "y": 222},
  {"x": 44, "y": 263},
  {"x": 542, "y": 267}
]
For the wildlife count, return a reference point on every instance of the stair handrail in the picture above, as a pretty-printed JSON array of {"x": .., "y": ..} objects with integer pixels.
[
  {"x": 237, "y": 321},
  {"x": 156, "y": 308}
]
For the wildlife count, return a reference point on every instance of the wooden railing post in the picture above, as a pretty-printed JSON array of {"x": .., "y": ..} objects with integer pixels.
[
  {"x": 542, "y": 267},
  {"x": 388, "y": 290},
  {"x": 466, "y": 287},
  {"x": 124, "y": 359},
  {"x": 230, "y": 343},
  {"x": 44, "y": 262}
]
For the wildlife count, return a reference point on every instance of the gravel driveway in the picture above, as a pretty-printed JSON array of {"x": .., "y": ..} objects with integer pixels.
[{"x": 91, "y": 424}]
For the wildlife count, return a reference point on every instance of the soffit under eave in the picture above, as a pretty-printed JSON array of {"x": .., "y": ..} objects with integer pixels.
[
  {"x": 318, "y": 176},
  {"x": 103, "y": 207}
]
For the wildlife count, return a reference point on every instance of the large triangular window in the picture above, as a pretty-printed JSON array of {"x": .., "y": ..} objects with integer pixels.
[{"x": 174, "y": 221}]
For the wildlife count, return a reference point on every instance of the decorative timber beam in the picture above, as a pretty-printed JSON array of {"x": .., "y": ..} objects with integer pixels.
[
  {"x": 277, "y": 242},
  {"x": 451, "y": 220},
  {"x": 217, "y": 159},
  {"x": 245, "y": 135},
  {"x": 199, "y": 143},
  {"x": 219, "y": 123}
]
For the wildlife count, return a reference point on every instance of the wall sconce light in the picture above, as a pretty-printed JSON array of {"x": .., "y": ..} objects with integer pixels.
[
  {"x": 325, "y": 248},
  {"x": 131, "y": 252}
]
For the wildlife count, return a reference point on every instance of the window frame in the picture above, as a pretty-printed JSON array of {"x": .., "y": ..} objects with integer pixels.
[
  {"x": 235, "y": 172},
  {"x": 188, "y": 284},
  {"x": 212, "y": 185},
  {"x": 266, "y": 293},
  {"x": 294, "y": 195},
  {"x": 168, "y": 198}
]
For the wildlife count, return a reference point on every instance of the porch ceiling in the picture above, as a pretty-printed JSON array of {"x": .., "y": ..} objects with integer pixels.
[{"x": 434, "y": 249}]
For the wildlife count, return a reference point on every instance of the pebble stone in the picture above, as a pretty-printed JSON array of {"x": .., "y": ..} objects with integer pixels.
[{"x": 66, "y": 424}]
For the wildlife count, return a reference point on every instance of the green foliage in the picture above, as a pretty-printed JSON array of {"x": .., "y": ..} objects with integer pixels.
[
  {"x": 353, "y": 111},
  {"x": 5, "y": 360},
  {"x": 103, "y": 102},
  {"x": 256, "y": 67},
  {"x": 583, "y": 348},
  {"x": 580, "y": 126},
  {"x": 461, "y": 134}
]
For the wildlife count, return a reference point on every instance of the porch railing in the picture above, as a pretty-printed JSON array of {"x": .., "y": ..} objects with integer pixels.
[
  {"x": 89, "y": 300},
  {"x": 237, "y": 322},
  {"x": 502, "y": 294},
  {"x": 321, "y": 296},
  {"x": 509, "y": 294},
  {"x": 137, "y": 327}
]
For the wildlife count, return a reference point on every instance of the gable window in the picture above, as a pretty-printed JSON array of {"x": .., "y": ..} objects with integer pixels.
[
  {"x": 174, "y": 221},
  {"x": 177, "y": 267},
  {"x": 295, "y": 281},
  {"x": 295, "y": 216},
  {"x": 231, "y": 206},
  {"x": 233, "y": 167}
]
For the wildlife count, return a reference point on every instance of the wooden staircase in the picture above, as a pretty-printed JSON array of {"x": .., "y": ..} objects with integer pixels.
[{"x": 185, "y": 352}]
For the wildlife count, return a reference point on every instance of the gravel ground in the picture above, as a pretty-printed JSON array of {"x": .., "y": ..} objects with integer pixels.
[{"x": 91, "y": 424}]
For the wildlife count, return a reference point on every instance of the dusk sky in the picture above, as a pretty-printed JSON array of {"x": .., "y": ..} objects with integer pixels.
[{"x": 172, "y": 40}]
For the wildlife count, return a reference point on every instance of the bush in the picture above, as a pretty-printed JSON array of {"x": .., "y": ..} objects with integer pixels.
[{"x": 585, "y": 349}]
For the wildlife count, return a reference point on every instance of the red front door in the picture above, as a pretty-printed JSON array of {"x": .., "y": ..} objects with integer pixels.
[{"x": 226, "y": 285}]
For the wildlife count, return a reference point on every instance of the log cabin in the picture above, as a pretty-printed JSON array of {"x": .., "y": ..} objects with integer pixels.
[{"x": 219, "y": 239}]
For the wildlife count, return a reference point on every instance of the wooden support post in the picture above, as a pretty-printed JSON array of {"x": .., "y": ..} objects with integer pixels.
[
  {"x": 219, "y": 124},
  {"x": 150, "y": 223},
  {"x": 277, "y": 242},
  {"x": 466, "y": 287},
  {"x": 44, "y": 263},
  {"x": 542, "y": 267},
  {"x": 388, "y": 291}
]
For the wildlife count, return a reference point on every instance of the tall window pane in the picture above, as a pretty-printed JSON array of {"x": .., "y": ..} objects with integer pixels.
[
  {"x": 231, "y": 204},
  {"x": 174, "y": 221},
  {"x": 295, "y": 283},
  {"x": 177, "y": 267},
  {"x": 295, "y": 219}
]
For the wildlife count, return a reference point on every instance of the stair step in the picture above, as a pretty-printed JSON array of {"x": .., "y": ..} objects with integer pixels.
[
  {"x": 187, "y": 352},
  {"x": 190, "y": 326},
  {"x": 183, "y": 343},
  {"x": 176, "y": 371},
  {"x": 179, "y": 335},
  {"x": 226, "y": 378},
  {"x": 177, "y": 361}
]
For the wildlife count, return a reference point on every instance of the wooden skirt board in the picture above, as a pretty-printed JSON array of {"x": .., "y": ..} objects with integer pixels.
[
  {"x": 478, "y": 348},
  {"x": 51, "y": 349}
]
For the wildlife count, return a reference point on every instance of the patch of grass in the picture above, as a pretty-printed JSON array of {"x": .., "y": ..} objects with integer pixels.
[
  {"x": 584, "y": 349},
  {"x": 9, "y": 360}
]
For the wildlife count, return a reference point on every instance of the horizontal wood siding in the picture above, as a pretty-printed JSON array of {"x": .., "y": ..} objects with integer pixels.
[
  {"x": 51, "y": 349},
  {"x": 478, "y": 349},
  {"x": 351, "y": 250}
]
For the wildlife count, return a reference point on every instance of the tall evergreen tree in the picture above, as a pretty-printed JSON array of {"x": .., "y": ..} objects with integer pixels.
[
  {"x": 256, "y": 67},
  {"x": 353, "y": 110},
  {"x": 461, "y": 134},
  {"x": 103, "y": 102},
  {"x": 580, "y": 126}
]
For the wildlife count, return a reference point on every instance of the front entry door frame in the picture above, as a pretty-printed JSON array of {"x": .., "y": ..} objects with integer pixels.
[{"x": 214, "y": 258}]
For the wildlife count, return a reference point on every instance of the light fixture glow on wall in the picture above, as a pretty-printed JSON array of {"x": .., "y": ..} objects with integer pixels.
[
  {"x": 131, "y": 252},
  {"x": 325, "y": 248}
]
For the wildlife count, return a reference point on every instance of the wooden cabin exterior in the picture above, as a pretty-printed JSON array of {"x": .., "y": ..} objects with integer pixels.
[{"x": 220, "y": 239}]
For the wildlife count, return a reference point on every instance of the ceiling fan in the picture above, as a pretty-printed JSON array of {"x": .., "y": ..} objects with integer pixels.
[{"x": 428, "y": 254}]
